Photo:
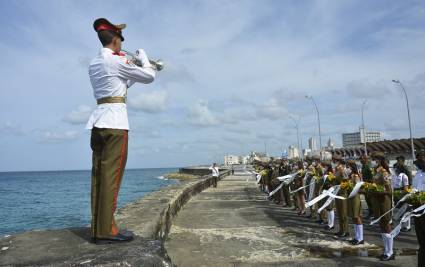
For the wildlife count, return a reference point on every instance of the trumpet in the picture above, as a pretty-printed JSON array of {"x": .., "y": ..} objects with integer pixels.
[{"x": 157, "y": 64}]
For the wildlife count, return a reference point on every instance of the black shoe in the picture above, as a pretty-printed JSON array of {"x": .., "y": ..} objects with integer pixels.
[
  {"x": 329, "y": 228},
  {"x": 341, "y": 235},
  {"x": 113, "y": 239},
  {"x": 388, "y": 258},
  {"x": 405, "y": 229},
  {"x": 320, "y": 221},
  {"x": 356, "y": 242}
]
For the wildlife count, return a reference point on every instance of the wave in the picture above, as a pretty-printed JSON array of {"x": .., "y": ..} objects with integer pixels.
[{"x": 162, "y": 177}]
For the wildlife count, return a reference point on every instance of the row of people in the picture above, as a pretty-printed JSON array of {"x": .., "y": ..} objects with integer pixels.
[{"x": 300, "y": 183}]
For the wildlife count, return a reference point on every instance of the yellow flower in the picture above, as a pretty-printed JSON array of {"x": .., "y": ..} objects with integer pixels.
[
  {"x": 344, "y": 185},
  {"x": 331, "y": 176}
]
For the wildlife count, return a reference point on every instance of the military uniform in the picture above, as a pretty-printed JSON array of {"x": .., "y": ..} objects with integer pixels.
[
  {"x": 300, "y": 195},
  {"x": 110, "y": 75},
  {"x": 285, "y": 170},
  {"x": 354, "y": 204},
  {"x": 367, "y": 176},
  {"x": 418, "y": 182},
  {"x": 330, "y": 209},
  {"x": 341, "y": 204},
  {"x": 382, "y": 204},
  {"x": 355, "y": 212},
  {"x": 383, "y": 199}
]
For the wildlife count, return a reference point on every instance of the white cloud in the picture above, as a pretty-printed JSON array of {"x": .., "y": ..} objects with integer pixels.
[
  {"x": 154, "y": 102},
  {"x": 78, "y": 116},
  {"x": 367, "y": 88},
  {"x": 273, "y": 110},
  {"x": 53, "y": 136},
  {"x": 201, "y": 115},
  {"x": 10, "y": 128}
]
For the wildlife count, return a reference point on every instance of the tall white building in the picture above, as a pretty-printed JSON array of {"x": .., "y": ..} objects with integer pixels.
[
  {"x": 293, "y": 152},
  {"x": 232, "y": 159},
  {"x": 330, "y": 144},
  {"x": 357, "y": 138},
  {"x": 312, "y": 144}
]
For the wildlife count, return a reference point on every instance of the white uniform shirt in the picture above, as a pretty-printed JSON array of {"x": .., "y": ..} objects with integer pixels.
[
  {"x": 400, "y": 181},
  {"x": 419, "y": 181},
  {"x": 111, "y": 75},
  {"x": 215, "y": 172}
]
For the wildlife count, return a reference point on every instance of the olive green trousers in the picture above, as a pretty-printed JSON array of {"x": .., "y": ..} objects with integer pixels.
[
  {"x": 109, "y": 158},
  {"x": 341, "y": 211}
]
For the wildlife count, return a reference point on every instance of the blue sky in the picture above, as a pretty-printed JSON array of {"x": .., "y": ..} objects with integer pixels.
[{"x": 235, "y": 72}]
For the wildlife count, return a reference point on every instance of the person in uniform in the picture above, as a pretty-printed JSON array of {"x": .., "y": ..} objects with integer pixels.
[
  {"x": 215, "y": 174},
  {"x": 341, "y": 204},
  {"x": 418, "y": 184},
  {"x": 354, "y": 205},
  {"x": 383, "y": 203},
  {"x": 318, "y": 190},
  {"x": 330, "y": 209},
  {"x": 367, "y": 175},
  {"x": 285, "y": 170},
  {"x": 401, "y": 165},
  {"x": 110, "y": 75},
  {"x": 299, "y": 182},
  {"x": 401, "y": 184}
]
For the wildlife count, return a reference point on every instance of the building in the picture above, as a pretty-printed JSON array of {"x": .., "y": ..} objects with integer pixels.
[
  {"x": 293, "y": 152},
  {"x": 312, "y": 145},
  {"x": 391, "y": 149},
  {"x": 330, "y": 145},
  {"x": 232, "y": 160},
  {"x": 258, "y": 156},
  {"x": 357, "y": 138},
  {"x": 306, "y": 152}
]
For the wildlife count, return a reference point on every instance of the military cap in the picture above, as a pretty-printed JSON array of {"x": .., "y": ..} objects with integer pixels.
[
  {"x": 378, "y": 155},
  {"x": 336, "y": 157},
  {"x": 400, "y": 158},
  {"x": 103, "y": 24}
]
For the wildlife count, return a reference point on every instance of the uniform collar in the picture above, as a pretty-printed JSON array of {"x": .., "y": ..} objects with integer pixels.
[{"x": 106, "y": 50}]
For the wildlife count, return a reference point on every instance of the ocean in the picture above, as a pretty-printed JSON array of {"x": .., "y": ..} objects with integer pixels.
[{"x": 59, "y": 199}]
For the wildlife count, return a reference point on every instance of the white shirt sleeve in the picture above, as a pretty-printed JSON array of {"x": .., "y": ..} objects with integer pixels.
[
  {"x": 405, "y": 180},
  {"x": 135, "y": 74}
]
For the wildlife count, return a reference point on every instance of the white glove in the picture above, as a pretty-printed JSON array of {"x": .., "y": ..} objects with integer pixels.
[{"x": 141, "y": 55}]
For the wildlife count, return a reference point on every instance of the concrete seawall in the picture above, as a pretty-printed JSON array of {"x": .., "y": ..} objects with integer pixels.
[{"x": 150, "y": 218}]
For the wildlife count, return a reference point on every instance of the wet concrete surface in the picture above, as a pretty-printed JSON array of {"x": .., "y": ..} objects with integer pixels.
[{"x": 235, "y": 225}]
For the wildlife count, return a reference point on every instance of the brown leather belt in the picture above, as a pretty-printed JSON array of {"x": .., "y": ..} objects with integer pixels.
[{"x": 111, "y": 99}]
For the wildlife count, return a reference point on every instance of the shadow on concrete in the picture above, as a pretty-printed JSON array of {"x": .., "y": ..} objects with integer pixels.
[{"x": 82, "y": 232}]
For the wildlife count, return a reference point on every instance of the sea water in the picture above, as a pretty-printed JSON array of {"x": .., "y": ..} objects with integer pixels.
[{"x": 59, "y": 199}]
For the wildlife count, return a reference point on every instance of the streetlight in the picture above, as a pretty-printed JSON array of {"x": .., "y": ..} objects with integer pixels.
[
  {"x": 364, "y": 128},
  {"x": 298, "y": 134},
  {"x": 408, "y": 116},
  {"x": 318, "y": 120}
]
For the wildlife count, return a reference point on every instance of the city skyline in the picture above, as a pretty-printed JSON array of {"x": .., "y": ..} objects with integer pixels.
[{"x": 234, "y": 74}]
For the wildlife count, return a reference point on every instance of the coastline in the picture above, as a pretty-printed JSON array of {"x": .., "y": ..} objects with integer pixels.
[{"x": 149, "y": 217}]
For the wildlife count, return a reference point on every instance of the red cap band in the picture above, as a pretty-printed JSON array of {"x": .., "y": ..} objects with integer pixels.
[{"x": 107, "y": 27}]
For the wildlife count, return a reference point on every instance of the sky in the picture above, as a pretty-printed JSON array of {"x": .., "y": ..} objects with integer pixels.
[{"x": 235, "y": 72}]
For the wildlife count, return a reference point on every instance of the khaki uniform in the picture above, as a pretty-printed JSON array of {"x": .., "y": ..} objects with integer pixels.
[
  {"x": 341, "y": 204},
  {"x": 285, "y": 188},
  {"x": 367, "y": 176},
  {"x": 111, "y": 74},
  {"x": 354, "y": 203},
  {"x": 382, "y": 201},
  {"x": 109, "y": 159}
]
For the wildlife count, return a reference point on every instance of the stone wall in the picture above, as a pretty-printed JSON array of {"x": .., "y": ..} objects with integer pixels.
[{"x": 151, "y": 216}]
